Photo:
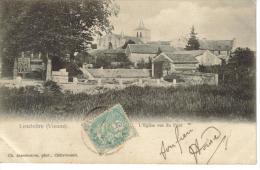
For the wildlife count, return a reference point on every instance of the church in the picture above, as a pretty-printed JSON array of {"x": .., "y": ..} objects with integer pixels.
[{"x": 141, "y": 35}]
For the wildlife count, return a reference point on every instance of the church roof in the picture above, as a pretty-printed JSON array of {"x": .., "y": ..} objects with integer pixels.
[
  {"x": 216, "y": 45},
  {"x": 149, "y": 49}
]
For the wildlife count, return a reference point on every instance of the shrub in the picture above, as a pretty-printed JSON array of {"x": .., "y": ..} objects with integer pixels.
[
  {"x": 194, "y": 101},
  {"x": 51, "y": 87}
]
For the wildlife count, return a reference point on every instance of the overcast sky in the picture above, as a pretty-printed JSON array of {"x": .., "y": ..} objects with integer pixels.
[{"x": 171, "y": 19}]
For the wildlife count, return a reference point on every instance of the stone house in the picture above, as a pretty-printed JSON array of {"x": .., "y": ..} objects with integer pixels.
[
  {"x": 217, "y": 47},
  {"x": 166, "y": 63},
  {"x": 209, "y": 59},
  {"x": 204, "y": 57},
  {"x": 138, "y": 53}
]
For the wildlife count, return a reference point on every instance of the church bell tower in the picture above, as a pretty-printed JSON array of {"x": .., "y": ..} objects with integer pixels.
[{"x": 143, "y": 33}]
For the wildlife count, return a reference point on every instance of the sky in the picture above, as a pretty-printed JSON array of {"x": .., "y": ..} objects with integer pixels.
[{"x": 173, "y": 19}]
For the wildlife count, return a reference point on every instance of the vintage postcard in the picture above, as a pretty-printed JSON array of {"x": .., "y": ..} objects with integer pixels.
[{"x": 128, "y": 81}]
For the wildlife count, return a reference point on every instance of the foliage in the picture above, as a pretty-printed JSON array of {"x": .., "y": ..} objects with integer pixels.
[
  {"x": 102, "y": 61},
  {"x": 73, "y": 70},
  {"x": 193, "y": 43},
  {"x": 128, "y": 42},
  {"x": 243, "y": 57},
  {"x": 111, "y": 60},
  {"x": 204, "y": 101},
  {"x": 51, "y": 87},
  {"x": 239, "y": 70},
  {"x": 54, "y": 27},
  {"x": 84, "y": 57}
]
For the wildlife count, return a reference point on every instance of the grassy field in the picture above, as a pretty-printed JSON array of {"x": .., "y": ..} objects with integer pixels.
[{"x": 194, "y": 101}]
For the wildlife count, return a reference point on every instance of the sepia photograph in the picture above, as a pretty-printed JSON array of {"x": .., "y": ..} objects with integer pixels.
[{"x": 128, "y": 81}]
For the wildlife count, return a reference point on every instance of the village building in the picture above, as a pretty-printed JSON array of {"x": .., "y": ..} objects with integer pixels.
[
  {"x": 204, "y": 57},
  {"x": 209, "y": 59},
  {"x": 113, "y": 41},
  {"x": 167, "y": 63},
  {"x": 217, "y": 47},
  {"x": 137, "y": 53},
  {"x": 220, "y": 48}
]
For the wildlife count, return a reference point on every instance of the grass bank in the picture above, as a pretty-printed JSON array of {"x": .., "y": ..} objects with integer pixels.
[{"x": 195, "y": 101}]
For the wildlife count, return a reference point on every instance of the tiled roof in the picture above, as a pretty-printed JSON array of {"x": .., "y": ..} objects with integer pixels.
[
  {"x": 182, "y": 58},
  {"x": 178, "y": 58},
  {"x": 119, "y": 73},
  {"x": 159, "y": 42},
  {"x": 115, "y": 51},
  {"x": 194, "y": 53},
  {"x": 149, "y": 49},
  {"x": 217, "y": 45}
]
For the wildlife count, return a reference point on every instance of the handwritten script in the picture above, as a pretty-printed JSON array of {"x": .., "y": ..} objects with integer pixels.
[{"x": 210, "y": 138}]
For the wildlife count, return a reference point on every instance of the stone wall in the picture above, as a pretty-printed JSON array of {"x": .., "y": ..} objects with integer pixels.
[
  {"x": 60, "y": 76},
  {"x": 198, "y": 78}
]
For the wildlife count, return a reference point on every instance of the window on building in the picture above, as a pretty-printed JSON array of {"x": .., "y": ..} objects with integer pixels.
[
  {"x": 141, "y": 35},
  {"x": 137, "y": 34}
]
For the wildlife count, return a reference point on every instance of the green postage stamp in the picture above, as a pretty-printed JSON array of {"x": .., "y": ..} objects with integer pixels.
[{"x": 110, "y": 129}]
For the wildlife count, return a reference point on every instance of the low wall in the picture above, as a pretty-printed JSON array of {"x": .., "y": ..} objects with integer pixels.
[
  {"x": 198, "y": 78},
  {"x": 60, "y": 76}
]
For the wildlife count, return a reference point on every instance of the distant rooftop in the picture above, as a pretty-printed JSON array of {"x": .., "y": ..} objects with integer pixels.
[
  {"x": 159, "y": 42},
  {"x": 177, "y": 58},
  {"x": 216, "y": 45},
  {"x": 194, "y": 53},
  {"x": 149, "y": 49}
]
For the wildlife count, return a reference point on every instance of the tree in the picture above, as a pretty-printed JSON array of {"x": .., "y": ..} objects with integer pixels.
[
  {"x": 239, "y": 71},
  {"x": 128, "y": 42},
  {"x": 56, "y": 27},
  {"x": 193, "y": 43},
  {"x": 243, "y": 63},
  {"x": 243, "y": 57}
]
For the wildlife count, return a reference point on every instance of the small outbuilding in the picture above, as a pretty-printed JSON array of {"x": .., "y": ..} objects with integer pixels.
[
  {"x": 209, "y": 59},
  {"x": 137, "y": 53},
  {"x": 166, "y": 63}
]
